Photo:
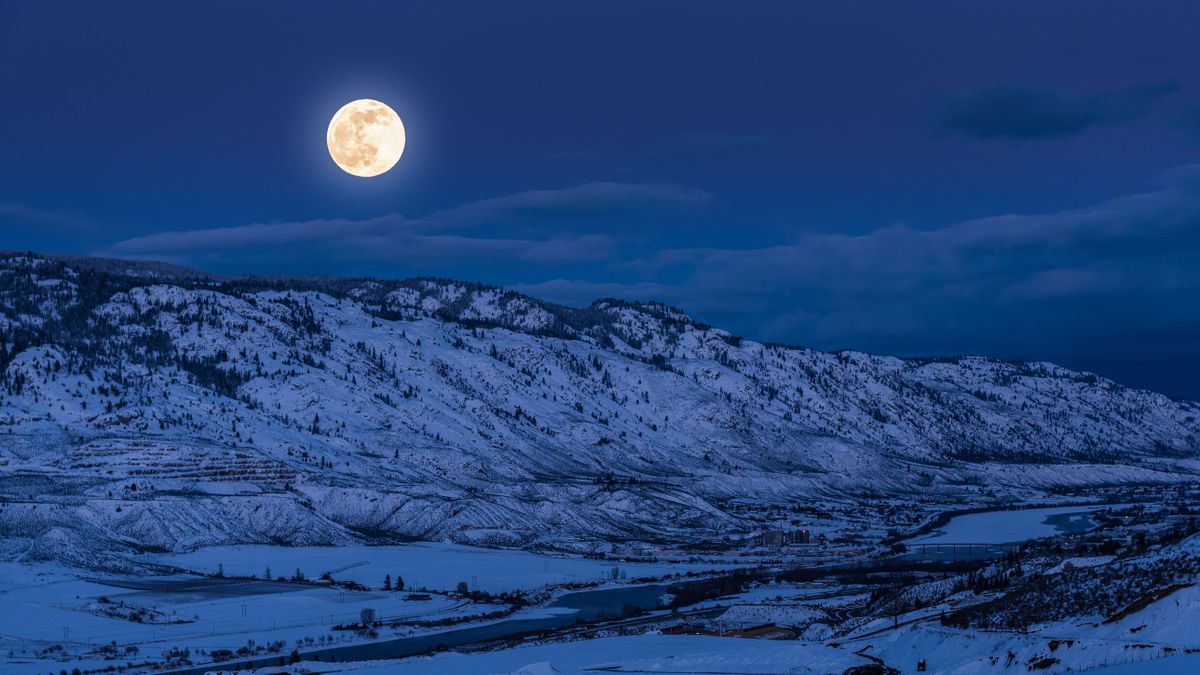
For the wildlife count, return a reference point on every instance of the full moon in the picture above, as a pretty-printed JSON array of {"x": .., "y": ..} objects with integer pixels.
[{"x": 365, "y": 138}]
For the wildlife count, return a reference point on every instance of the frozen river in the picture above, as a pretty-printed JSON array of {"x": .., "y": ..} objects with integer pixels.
[
  {"x": 1012, "y": 526},
  {"x": 565, "y": 611}
]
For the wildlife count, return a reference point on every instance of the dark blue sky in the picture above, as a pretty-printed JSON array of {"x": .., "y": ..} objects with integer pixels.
[{"x": 1018, "y": 179}]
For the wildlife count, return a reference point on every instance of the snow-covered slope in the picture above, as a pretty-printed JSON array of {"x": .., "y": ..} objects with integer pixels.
[{"x": 150, "y": 406}]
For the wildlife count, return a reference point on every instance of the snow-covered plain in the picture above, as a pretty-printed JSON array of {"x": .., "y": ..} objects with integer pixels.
[
  {"x": 46, "y": 604},
  {"x": 427, "y": 565},
  {"x": 43, "y": 605},
  {"x": 676, "y": 654},
  {"x": 958, "y": 652},
  {"x": 1006, "y": 527}
]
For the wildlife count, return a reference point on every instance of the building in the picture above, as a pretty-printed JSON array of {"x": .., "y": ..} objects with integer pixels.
[{"x": 770, "y": 539}]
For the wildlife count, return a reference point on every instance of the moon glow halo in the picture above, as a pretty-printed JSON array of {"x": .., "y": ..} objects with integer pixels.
[{"x": 365, "y": 138}]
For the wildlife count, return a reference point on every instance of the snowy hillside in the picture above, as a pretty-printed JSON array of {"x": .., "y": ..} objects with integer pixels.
[{"x": 147, "y": 406}]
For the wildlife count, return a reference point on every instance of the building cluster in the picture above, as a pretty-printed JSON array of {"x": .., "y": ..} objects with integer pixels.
[{"x": 780, "y": 538}]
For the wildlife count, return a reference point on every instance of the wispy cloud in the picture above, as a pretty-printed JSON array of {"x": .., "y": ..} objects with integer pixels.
[
  {"x": 544, "y": 217},
  {"x": 26, "y": 215},
  {"x": 1052, "y": 285},
  {"x": 1069, "y": 281},
  {"x": 590, "y": 200},
  {"x": 1023, "y": 113}
]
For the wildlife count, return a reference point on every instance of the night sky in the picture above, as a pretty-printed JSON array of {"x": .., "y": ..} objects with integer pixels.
[{"x": 1019, "y": 179}]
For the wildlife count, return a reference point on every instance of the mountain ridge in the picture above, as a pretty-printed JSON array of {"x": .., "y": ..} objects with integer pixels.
[
  {"x": 162, "y": 410},
  {"x": 338, "y": 283}
]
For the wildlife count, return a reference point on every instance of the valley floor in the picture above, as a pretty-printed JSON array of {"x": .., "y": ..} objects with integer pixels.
[
  {"x": 1131, "y": 568},
  {"x": 428, "y": 565},
  {"x": 52, "y": 616}
]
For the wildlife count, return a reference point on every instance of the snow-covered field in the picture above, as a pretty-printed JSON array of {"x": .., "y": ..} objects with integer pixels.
[
  {"x": 957, "y": 652},
  {"x": 38, "y": 601},
  {"x": 44, "y": 605},
  {"x": 1005, "y": 527},
  {"x": 748, "y": 616},
  {"x": 633, "y": 654},
  {"x": 422, "y": 565}
]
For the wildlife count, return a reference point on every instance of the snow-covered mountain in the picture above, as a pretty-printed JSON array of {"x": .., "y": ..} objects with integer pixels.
[{"x": 150, "y": 406}]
